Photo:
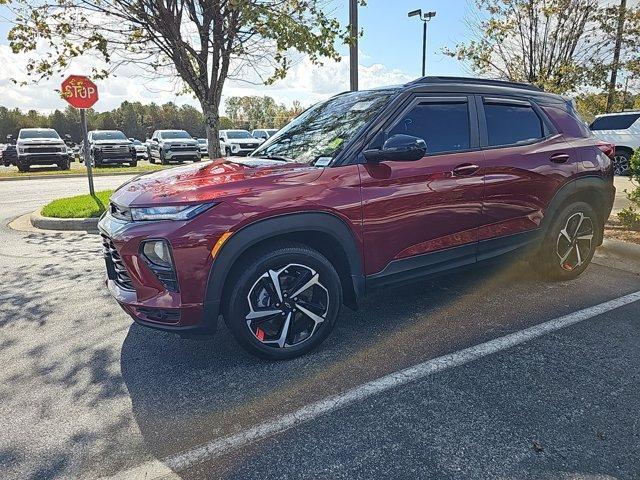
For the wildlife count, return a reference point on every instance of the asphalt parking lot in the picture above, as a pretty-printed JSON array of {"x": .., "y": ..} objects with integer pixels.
[{"x": 86, "y": 394}]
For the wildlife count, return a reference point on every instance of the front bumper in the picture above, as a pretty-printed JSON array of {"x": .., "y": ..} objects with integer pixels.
[
  {"x": 43, "y": 158},
  {"x": 142, "y": 295},
  {"x": 181, "y": 154}
]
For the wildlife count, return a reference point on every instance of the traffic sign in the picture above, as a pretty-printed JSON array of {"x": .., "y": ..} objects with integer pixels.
[{"x": 79, "y": 91}]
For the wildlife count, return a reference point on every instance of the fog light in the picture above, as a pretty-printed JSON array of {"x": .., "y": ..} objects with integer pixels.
[{"x": 157, "y": 252}]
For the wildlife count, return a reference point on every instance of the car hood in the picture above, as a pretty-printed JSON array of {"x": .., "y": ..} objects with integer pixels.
[
  {"x": 212, "y": 181},
  {"x": 243, "y": 141},
  {"x": 40, "y": 141},
  {"x": 181, "y": 141},
  {"x": 111, "y": 142}
]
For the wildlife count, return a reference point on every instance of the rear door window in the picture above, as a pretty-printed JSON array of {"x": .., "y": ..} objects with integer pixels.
[
  {"x": 443, "y": 125},
  {"x": 615, "y": 122},
  {"x": 512, "y": 123}
]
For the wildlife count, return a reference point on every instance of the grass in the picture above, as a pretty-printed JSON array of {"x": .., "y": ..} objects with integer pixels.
[
  {"x": 81, "y": 206},
  {"x": 79, "y": 168}
]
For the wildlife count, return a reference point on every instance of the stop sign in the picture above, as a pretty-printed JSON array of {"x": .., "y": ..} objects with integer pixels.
[{"x": 79, "y": 91}]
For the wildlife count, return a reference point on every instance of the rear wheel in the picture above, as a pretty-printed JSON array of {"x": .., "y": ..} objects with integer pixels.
[
  {"x": 621, "y": 162},
  {"x": 283, "y": 302},
  {"x": 570, "y": 242},
  {"x": 133, "y": 163}
]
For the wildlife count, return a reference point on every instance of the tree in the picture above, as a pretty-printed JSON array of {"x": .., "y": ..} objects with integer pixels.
[
  {"x": 559, "y": 45},
  {"x": 622, "y": 11},
  {"x": 202, "y": 41}
]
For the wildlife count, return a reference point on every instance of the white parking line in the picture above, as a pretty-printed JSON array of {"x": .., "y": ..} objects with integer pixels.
[{"x": 216, "y": 448}]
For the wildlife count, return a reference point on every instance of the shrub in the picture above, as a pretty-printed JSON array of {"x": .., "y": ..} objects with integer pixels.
[{"x": 630, "y": 216}]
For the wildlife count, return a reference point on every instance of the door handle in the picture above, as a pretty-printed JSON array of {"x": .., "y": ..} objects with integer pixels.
[
  {"x": 465, "y": 170},
  {"x": 560, "y": 158}
]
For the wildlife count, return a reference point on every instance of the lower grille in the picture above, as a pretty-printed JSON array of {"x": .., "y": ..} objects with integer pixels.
[
  {"x": 165, "y": 315},
  {"x": 116, "y": 270},
  {"x": 183, "y": 149}
]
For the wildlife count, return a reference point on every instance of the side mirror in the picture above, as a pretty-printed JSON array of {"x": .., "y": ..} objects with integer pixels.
[{"x": 399, "y": 148}]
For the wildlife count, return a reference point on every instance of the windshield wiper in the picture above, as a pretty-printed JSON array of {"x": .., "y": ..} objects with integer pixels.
[{"x": 278, "y": 158}]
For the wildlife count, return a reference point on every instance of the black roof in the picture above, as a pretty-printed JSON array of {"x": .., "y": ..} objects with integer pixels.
[{"x": 474, "y": 81}]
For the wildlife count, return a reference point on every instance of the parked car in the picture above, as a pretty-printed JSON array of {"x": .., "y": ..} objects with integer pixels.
[
  {"x": 10, "y": 156},
  {"x": 41, "y": 146},
  {"x": 622, "y": 130},
  {"x": 173, "y": 145},
  {"x": 204, "y": 146},
  {"x": 141, "y": 149},
  {"x": 366, "y": 189},
  {"x": 264, "y": 133},
  {"x": 108, "y": 147},
  {"x": 238, "y": 142}
]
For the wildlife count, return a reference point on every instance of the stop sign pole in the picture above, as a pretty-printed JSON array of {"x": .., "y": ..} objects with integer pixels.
[{"x": 80, "y": 92}]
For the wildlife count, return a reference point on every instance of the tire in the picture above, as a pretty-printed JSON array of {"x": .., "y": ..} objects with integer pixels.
[
  {"x": 163, "y": 159},
  {"x": 621, "y": 162},
  {"x": 227, "y": 152},
  {"x": 311, "y": 315},
  {"x": 22, "y": 165},
  {"x": 64, "y": 164},
  {"x": 152, "y": 159},
  {"x": 197, "y": 159},
  {"x": 133, "y": 163},
  {"x": 557, "y": 258}
]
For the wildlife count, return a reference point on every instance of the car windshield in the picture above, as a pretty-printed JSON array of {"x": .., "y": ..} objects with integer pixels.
[
  {"x": 238, "y": 134},
  {"x": 109, "y": 135},
  {"x": 44, "y": 133},
  {"x": 175, "y": 134},
  {"x": 322, "y": 131}
]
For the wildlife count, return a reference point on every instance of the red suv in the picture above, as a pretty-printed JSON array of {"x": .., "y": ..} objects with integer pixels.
[{"x": 366, "y": 189}]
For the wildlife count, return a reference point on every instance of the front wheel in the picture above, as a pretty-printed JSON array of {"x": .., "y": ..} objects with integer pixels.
[
  {"x": 133, "y": 163},
  {"x": 283, "y": 302},
  {"x": 23, "y": 166},
  {"x": 64, "y": 164},
  {"x": 163, "y": 159},
  {"x": 571, "y": 242}
]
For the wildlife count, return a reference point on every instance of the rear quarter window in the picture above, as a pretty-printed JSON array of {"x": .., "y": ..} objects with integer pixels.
[{"x": 615, "y": 122}]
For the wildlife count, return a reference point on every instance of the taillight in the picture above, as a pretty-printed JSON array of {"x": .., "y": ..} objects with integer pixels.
[{"x": 608, "y": 149}]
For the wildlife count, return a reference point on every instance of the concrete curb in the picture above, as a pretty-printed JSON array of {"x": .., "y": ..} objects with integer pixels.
[
  {"x": 89, "y": 225},
  {"x": 621, "y": 249},
  {"x": 69, "y": 175}
]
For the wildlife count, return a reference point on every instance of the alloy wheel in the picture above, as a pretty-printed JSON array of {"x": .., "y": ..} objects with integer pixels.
[
  {"x": 575, "y": 241},
  {"x": 620, "y": 165},
  {"x": 287, "y": 306}
]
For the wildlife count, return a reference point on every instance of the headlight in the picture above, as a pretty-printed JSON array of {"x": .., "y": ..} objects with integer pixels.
[
  {"x": 182, "y": 212},
  {"x": 20, "y": 149}
]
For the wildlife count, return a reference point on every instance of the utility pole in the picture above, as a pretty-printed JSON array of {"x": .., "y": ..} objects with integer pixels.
[
  {"x": 353, "y": 46},
  {"x": 616, "y": 56}
]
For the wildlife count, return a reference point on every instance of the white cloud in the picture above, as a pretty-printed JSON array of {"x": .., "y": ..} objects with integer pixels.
[{"x": 305, "y": 82}]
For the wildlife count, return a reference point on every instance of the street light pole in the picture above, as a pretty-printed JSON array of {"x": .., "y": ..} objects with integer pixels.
[
  {"x": 425, "y": 19},
  {"x": 353, "y": 45}
]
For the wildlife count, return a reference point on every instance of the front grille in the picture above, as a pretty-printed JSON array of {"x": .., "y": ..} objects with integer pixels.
[
  {"x": 114, "y": 149},
  {"x": 43, "y": 149},
  {"x": 250, "y": 145},
  {"x": 116, "y": 270},
  {"x": 164, "y": 315},
  {"x": 185, "y": 148}
]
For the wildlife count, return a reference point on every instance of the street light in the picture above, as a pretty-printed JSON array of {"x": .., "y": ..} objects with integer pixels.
[
  {"x": 425, "y": 19},
  {"x": 353, "y": 46}
]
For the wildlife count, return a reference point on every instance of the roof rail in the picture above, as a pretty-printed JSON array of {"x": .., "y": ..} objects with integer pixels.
[{"x": 476, "y": 81}]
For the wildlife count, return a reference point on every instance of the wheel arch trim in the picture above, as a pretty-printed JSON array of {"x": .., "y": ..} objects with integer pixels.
[{"x": 261, "y": 230}]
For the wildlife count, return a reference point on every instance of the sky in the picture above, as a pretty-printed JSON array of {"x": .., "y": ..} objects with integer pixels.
[{"x": 390, "y": 53}]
